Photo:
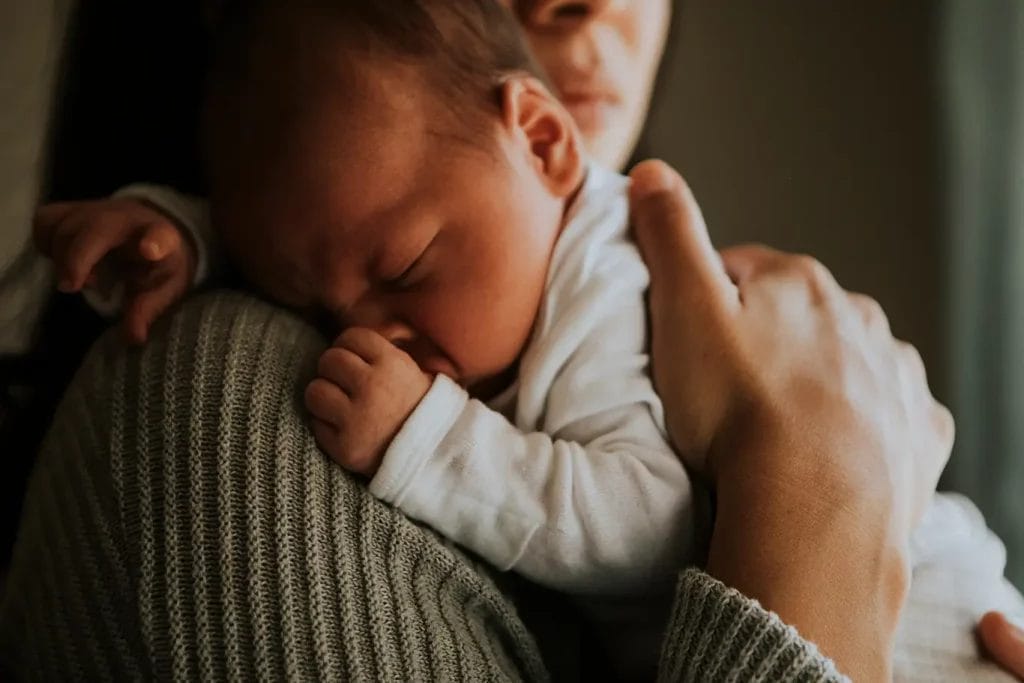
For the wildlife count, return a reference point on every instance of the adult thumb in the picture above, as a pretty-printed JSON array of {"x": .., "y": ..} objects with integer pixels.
[{"x": 669, "y": 228}]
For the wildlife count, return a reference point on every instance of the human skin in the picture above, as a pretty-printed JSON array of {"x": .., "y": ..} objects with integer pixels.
[
  {"x": 573, "y": 23},
  {"x": 1004, "y": 642},
  {"x": 365, "y": 211},
  {"x": 601, "y": 57},
  {"x": 563, "y": 33},
  {"x": 818, "y": 489}
]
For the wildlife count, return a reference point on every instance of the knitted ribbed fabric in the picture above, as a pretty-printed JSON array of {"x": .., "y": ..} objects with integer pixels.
[
  {"x": 718, "y": 634},
  {"x": 181, "y": 524}
]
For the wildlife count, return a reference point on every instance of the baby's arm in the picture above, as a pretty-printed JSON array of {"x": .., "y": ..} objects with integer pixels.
[
  {"x": 138, "y": 251},
  {"x": 592, "y": 500},
  {"x": 605, "y": 507}
]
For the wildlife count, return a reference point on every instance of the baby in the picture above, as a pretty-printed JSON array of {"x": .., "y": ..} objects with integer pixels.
[{"x": 397, "y": 171}]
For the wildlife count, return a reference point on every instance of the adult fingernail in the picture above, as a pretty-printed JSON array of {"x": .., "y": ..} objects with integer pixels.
[
  {"x": 651, "y": 178},
  {"x": 151, "y": 250}
]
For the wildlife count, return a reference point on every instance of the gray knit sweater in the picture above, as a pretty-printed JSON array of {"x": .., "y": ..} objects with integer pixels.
[{"x": 181, "y": 524}]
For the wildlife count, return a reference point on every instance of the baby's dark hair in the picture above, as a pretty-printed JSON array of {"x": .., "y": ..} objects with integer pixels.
[{"x": 464, "y": 49}]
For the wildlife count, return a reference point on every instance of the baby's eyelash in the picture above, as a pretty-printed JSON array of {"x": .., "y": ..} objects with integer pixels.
[
  {"x": 407, "y": 272},
  {"x": 403, "y": 279}
]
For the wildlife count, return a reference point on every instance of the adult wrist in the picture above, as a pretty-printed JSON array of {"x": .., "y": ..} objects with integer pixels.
[{"x": 827, "y": 567}]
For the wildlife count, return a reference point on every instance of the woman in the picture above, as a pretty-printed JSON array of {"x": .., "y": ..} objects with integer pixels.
[{"x": 181, "y": 524}]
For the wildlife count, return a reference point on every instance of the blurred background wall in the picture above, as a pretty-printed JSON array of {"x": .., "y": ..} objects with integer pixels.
[{"x": 31, "y": 38}]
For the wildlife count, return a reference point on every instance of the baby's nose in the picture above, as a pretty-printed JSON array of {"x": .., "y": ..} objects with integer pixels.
[
  {"x": 372, "y": 314},
  {"x": 399, "y": 334}
]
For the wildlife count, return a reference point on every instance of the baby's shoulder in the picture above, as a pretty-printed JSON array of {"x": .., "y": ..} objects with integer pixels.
[{"x": 595, "y": 251}]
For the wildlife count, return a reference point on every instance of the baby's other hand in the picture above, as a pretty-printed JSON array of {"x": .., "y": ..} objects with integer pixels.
[
  {"x": 120, "y": 241},
  {"x": 365, "y": 391}
]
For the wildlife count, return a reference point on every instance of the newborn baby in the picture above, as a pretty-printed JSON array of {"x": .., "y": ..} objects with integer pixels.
[{"x": 398, "y": 171}]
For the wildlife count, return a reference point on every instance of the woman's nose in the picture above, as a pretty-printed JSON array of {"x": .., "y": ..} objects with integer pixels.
[{"x": 561, "y": 14}]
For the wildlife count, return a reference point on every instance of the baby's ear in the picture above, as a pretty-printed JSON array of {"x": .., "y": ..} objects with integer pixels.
[{"x": 531, "y": 113}]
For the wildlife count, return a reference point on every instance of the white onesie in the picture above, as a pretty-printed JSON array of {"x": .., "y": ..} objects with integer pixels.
[{"x": 568, "y": 477}]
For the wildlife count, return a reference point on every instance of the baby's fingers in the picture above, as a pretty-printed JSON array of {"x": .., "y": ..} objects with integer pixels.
[
  {"x": 326, "y": 435},
  {"x": 147, "y": 305},
  {"x": 47, "y": 219},
  {"x": 158, "y": 241},
  {"x": 82, "y": 242},
  {"x": 326, "y": 401}
]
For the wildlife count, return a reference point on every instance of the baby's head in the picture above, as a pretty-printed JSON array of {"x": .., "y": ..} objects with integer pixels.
[{"x": 392, "y": 164}]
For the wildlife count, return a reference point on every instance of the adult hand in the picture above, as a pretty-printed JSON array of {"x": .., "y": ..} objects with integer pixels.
[{"x": 815, "y": 427}]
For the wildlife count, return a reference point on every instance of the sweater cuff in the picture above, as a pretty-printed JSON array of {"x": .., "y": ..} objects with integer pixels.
[
  {"x": 419, "y": 438},
  {"x": 716, "y": 632}
]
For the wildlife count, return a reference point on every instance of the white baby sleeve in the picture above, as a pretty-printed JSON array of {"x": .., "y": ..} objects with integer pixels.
[{"x": 594, "y": 501}]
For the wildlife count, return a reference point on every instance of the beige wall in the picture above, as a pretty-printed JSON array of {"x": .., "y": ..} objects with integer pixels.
[
  {"x": 812, "y": 126},
  {"x": 31, "y": 33},
  {"x": 30, "y": 37}
]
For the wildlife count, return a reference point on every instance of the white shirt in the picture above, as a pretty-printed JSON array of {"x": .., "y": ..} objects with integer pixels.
[{"x": 574, "y": 484}]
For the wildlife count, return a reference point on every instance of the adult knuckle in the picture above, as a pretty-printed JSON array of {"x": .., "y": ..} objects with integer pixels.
[
  {"x": 945, "y": 424},
  {"x": 872, "y": 309},
  {"x": 806, "y": 265},
  {"x": 911, "y": 356},
  {"x": 816, "y": 273},
  {"x": 811, "y": 269},
  {"x": 872, "y": 312}
]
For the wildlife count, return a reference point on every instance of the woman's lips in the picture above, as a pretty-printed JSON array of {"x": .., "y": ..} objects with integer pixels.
[{"x": 591, "y": 111}]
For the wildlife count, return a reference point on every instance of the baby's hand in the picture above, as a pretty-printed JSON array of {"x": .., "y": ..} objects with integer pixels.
[
  {"x": 119, "y": 242},
  {"x": 366, "y": 389}
]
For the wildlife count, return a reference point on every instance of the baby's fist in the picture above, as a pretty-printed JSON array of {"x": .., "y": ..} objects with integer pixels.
[{"x": 365, "y": 390}]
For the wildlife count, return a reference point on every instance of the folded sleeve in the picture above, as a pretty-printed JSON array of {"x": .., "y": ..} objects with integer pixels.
[{"x": 718, "y": 634}]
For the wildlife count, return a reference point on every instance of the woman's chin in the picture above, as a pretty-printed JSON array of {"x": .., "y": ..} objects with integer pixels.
[{"x": 610, "y": 145}]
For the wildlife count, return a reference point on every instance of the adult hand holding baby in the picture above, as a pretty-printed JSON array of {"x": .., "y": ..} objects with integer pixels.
[{"x": 815, "y": 427}]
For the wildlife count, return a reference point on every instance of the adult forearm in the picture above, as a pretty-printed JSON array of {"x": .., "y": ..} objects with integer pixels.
[{"x": 844, "y": 594}]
